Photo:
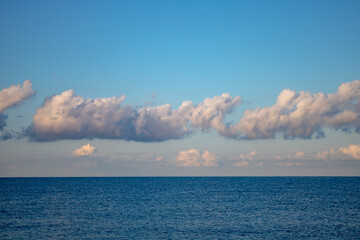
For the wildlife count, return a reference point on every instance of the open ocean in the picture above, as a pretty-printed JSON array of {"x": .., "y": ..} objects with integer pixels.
[{"x": 180, "y": 208}]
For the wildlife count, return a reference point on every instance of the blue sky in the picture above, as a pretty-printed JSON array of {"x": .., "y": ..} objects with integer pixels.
[{"x": 168, "y": 52}]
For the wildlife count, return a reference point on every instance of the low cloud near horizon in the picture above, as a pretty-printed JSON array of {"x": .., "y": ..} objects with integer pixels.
[
  {"x": 351, "y": 152},
  {"x": 193, "y": 158},
  {"x": 243, "y": 160},
  {"x": 67, "y": 116},
  {"x": 85, "y": 150},
  {"x": 294, "y": 115}
]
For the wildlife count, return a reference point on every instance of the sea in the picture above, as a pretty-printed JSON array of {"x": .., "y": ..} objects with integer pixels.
[{"x": 180, "y": 208}]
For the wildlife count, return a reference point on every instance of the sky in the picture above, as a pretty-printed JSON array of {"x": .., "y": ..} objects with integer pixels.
[{"x": 179, "y": 88}]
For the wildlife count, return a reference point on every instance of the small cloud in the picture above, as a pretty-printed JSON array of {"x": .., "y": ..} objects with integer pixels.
[
  {"x": 210, "y": 159},
  {"x": 15, "y": 95},
  {"x": 244, "y": 160},
  {"x": 11, "y": 97},
  {"x": 353, "y": 151},
  {"x": 193, "y": 158},
  {"x": 85, "y": 150}
]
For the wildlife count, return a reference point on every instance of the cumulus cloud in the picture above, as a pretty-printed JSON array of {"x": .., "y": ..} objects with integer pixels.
[
  {"x": 85, "y": 150},
  {"x": 294, "y": 115},
  {"x": 244, "y": 160},
  {"x": 15, "y": 95},
  {"x": 209, "y": 159},
  {"x": 211, "y": 113},
  {"x": 302, "y": 114},
  {"x": 67, "y": 116},
  {"x": 351, "y": 152},
  {"x": 11, "y": 97},
  {"x": 193, "y": 158}
]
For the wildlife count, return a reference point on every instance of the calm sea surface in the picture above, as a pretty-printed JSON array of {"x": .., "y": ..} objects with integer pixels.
[{"x": 180, "y": 208}]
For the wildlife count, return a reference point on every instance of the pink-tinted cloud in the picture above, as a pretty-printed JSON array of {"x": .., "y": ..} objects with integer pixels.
[
  {"x": 15, "y": 95},
  {"x": 85, "y": 150},
  {"x": 193, "y": 158},
  {"x": 67, "y": 116},
  {"x": 244, "y": 160},
  {"x": 302, "y": 114},
  {"x": 294, "y": 115},
  {"x": 10, "y": 97}
]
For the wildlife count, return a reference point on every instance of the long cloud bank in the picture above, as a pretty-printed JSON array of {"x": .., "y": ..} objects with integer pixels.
[
  {"x": 294, "y": 115},
  {"x": 67, "y": 116},
  {"x": 10, "y": 97}
]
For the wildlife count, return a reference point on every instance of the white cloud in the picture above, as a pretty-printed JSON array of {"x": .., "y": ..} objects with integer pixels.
[
  {"x": 11, "y": 97},
  {"x": 211, "y": 113},
  {"x": 294, "y": 115},
  {"x": 193, "y": 158},
  {"x": 328, "y": 155},
  {"x": 189, "y": 158},
  {"x": 67, "y": 116},
  {"x": 15, "y": 95},
  {"x": 244, "y": 160},
  {"x": 302, "y": 114},
  {"x": 85, "y": 150},
  {"x": 210, "y": 159},
  {"x": 353, "y": 151},
  {"x": 159, "y": 158}
]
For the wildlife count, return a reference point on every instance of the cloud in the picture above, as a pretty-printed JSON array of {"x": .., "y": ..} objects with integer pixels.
[
  {"x": 294, "y": 115},
  {"x": 294, "y": 154},
  {"x": 210, "y": 159},
  {"x": 241, "y": 164},
  {"x": 244, "y": 160},
  {"x": 85, "y": 150},
  {"x": 211, "y": 113},
  {"x": 352, "y": 152},
  {"x": 193, "y": 158},
  {"x": 302, "y": 114},
  {"x": 11, "y": 97},
  {"x": 67, "y": 116},
  {"x": 15, "y": 95}
]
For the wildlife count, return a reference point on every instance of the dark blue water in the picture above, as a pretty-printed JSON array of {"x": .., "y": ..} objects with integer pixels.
[{"x": 180, "y": 208}]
